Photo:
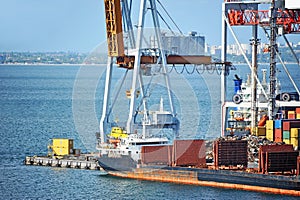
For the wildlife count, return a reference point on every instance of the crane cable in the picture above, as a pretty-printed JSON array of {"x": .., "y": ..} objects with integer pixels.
[{"x": 169, "y": 17}]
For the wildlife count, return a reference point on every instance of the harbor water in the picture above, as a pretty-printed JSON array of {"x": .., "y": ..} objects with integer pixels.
[{"x": 41, "y": 102}]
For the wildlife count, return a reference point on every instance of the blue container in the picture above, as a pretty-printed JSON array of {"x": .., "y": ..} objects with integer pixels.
[
  {"x": 278, "y": 124},
  {"x": 237, "y": 85}
]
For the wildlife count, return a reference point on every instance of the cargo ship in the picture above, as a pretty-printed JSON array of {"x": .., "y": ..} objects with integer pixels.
[
  {"x": 185, "y": 162},
  {"x": 132, "y": 151}
]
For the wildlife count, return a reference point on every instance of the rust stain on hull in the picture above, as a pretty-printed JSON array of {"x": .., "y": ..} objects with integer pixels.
[{"x": 191, "y": 179}]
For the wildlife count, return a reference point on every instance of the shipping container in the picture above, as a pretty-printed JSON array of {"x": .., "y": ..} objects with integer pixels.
[
  {"x": 278, "y": 135},
  {"x": 260, "y": 131},
  {"x": 297, "y": 110},
  {"x": 61, "y": 147},
  {"x": 286, "y": 125},
  {"x": 286, "y": 135},
  {"x": 160, "y": 155},
  {"x": 298, "y": 116},
  {"x": 291, "y": 115},
  {"x": 269, "y": 124},
  {"x": 189, "y": 153},
  {"x": 294, "y": 132},
  {"x": 278, "y": 124}
]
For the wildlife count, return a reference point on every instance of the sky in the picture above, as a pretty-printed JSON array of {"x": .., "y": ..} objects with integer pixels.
[{"x": 79, "y": 25}]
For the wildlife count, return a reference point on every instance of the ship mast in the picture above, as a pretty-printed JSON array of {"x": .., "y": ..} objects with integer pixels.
[
  {"x": 254, "y": 42},
  {"x": 273, "y": 48}
]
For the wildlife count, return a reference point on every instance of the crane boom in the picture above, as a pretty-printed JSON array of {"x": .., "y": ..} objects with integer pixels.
[{"x": 114, "y": 32}]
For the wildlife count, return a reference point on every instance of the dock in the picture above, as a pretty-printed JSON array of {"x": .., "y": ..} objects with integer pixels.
[{"x": 84, "y": 161}]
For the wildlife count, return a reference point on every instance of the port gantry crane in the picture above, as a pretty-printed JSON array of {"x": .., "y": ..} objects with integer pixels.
[
  {"x": 134, "y": 57},
  {"x": 282, "y": 17}
]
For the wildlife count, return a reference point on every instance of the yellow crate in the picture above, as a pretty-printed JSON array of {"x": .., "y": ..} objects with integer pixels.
[
  {"x": 295, "y": 142},
  {"x": 260, "y": 131},
  {"x": 298, "y": 116},
  {"x": 63, "y": 143},
  {"x": 295, "y": 132},
  {"x": 62, "y": 146},
  {"x": 269, "y": 124},
  {"x": 287, "y": 141}
]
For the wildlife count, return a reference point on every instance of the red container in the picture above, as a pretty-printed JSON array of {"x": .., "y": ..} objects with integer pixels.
[
  {"x": 286, "y": 126},
  {"x": 189, "y": 153},
  {"x": 297, "y": 110},
  {"x": 160, "y": 155},
  {"x": 278, "y": 135}
]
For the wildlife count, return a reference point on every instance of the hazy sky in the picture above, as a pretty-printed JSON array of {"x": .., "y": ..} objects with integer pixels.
[{"x": 79, "y": 25}]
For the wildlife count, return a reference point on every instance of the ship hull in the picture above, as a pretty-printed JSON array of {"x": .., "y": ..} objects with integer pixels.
[
  {"x": 239, "y": 180},
  {"x": 121, "y": 163}
]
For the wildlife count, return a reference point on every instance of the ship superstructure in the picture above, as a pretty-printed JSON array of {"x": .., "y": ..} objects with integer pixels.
[{"x": 276, "y": 19}]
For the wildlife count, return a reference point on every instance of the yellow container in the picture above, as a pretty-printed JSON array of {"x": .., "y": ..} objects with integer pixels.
[
  {"x": 269, "y": 124},
  {"x": 61, "y": 146},
  {"x": 295, "y": 142},
  {"x": 295, "y": 132},
  {"x": 298, "y": 116},
  {"x": 260, "y": 131},
  {"x": 287, "y": 141},
  {"x": 270, "y": 135}
]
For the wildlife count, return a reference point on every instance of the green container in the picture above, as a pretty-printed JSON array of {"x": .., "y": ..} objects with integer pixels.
[{"x": 286, "y": 134}]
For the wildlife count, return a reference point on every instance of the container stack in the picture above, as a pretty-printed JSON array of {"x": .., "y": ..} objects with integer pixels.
[
  {"x": 285, "y": 130},
  {"x": 291, "y": 132}
]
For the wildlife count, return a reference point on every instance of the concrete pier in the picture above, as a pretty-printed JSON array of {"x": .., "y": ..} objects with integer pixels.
[{"x": 80, "y": 162}]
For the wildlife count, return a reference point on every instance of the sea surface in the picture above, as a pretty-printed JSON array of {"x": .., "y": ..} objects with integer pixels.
[{"x": 41, "y": 102}]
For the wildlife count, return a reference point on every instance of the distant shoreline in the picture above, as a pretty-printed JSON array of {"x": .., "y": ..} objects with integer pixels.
[{"x": 94, "y": 64}]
